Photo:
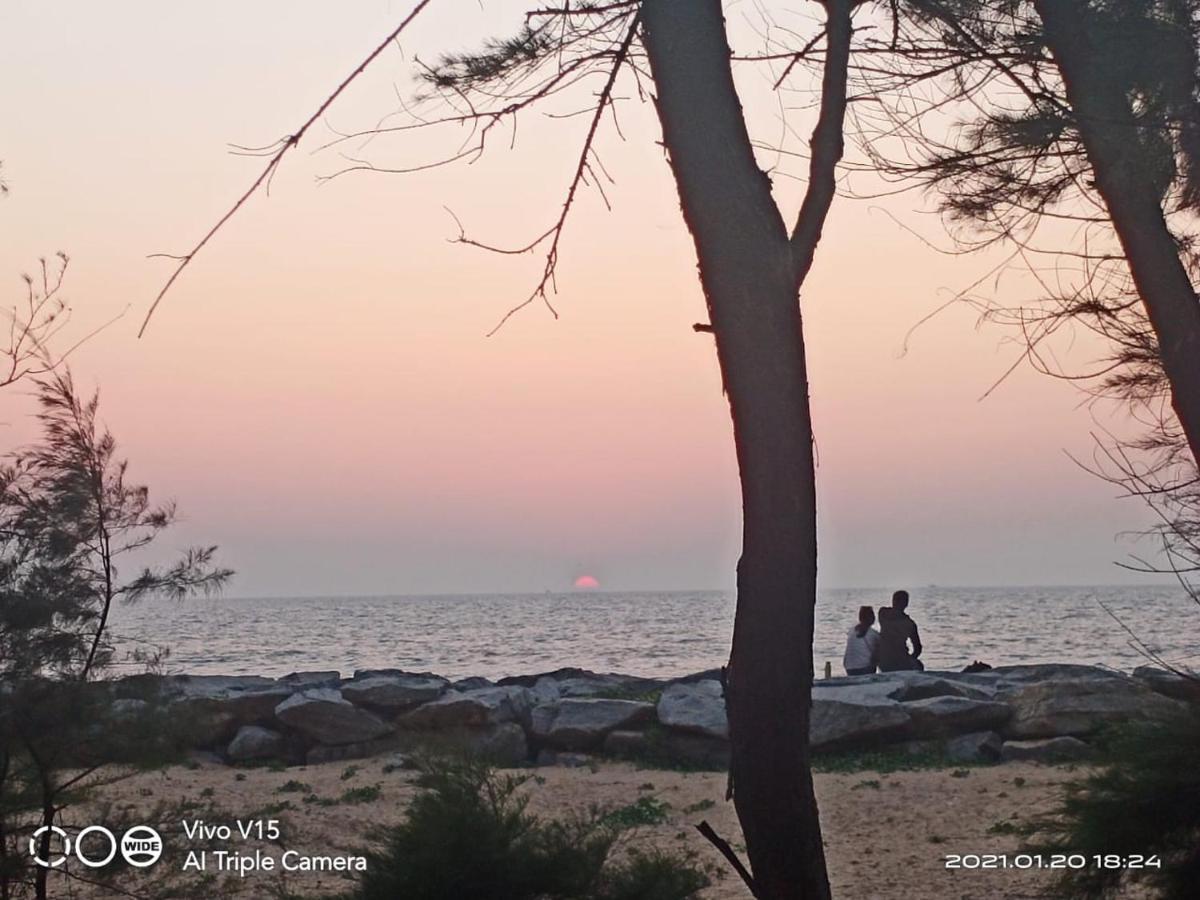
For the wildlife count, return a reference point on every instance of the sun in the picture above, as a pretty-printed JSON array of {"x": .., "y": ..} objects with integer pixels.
[{"x": 586, "y": 583}]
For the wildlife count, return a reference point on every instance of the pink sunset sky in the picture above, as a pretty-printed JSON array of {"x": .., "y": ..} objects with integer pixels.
[{"x": 318, "y": 392}]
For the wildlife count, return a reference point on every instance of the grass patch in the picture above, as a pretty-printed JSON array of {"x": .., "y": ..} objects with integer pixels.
[
  {"x": 349, "y": 772},
  {"x": 292, "y": 786},
  {"x": 643, "y": 811},
  {"x": 872, "y": 783},
  {"x": 368, "y": 793},
  {"x": 700, "y": 806}
]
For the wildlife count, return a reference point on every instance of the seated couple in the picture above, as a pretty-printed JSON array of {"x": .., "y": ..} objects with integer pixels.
[{"x": 888, "y": 648}]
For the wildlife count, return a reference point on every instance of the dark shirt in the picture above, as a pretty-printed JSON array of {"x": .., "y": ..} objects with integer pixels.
[{"x": 896, "y": 630}]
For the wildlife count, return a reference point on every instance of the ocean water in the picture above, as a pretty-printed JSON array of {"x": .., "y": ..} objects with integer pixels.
[{"x": 660, "y": 634}]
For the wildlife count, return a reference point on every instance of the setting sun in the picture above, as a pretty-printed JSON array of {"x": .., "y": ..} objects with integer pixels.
[{"x": 586, "y": 582}]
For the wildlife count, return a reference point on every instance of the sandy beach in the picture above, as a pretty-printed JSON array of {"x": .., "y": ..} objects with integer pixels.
[{"x": 887, "y": 834}]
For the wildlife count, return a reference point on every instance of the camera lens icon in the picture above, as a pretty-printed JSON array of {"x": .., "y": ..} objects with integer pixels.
[{"x": 141, "y": 846}]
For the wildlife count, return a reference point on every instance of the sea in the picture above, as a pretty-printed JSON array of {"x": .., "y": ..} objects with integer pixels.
[{"x": 654, "y": 633}]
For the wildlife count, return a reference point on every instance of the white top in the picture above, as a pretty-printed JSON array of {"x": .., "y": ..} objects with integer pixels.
[{"x": 861, "y": 652}]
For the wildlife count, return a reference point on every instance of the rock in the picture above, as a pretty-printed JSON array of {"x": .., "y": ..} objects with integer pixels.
[
  {"x": 485, "y": 706},
  {"x": 625, "y": 744},
  {"x": 394, "y": 693},
  {"x": 254, "y": 742},
  {"x": 1169, "y": 684},
  {"x": 837, "y": 723},
  {"x": 504, "y": 745},
  {"x": 979, "y": 746},
  {"x": 951, "y": 715},
  {"x": 1080, "y": 707},
  {"x": 545, "y": 690},
  {"x": 1047, "y": 750},
  {"x": 216, "y": 706},
  {"x": 300, "y": 681},
  {"x": 324, "y": 715},
  {"x": 582, "y": 724},
  {"x": 680, "y": 748},
  {"x": 928, "y": 685},
  {"x": 473, "y": 683},
  {"x": 325, "y": 753},
  {"x": 572, "y": 760},
  {"x": 698, "y": 708}
]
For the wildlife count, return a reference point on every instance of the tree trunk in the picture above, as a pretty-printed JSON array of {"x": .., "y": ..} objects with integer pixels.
[
  {"x": 749, "y": 275},
  {"x": 1106, "y": 123}
]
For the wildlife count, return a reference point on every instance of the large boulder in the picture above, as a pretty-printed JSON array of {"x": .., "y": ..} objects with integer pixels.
[
  {"x": 582, "y": 724},
  {"x": 459, "y": 709},
  {"x": 394, "y": 693},
  {"x": 938, "y": 716},
  {"x": 1170, "y": 684},
  {"x": 698, "y": 707},
  {"x": 979, "y": 746},
  {"x": 327, "y": 717},
  {"x": 303, "y": 681},
  {"x": 216, "y": 706},
  {"x": 1081, "y": 706},
  {"x": 841, "y": 723},
  {"x": 254, "y": 742}
]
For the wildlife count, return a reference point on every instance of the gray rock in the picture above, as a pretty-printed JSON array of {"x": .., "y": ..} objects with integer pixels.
[
  {"x": 1047, "y": 750},
  {"x": 582, "y": 724},
  {"x": 504, "y": 745},
  {"x": 698, "y": 707},
  {"x": 951, "y": 715},
  {"x": 1169, "y": 684},
  {"x": 572, "y": 760},
  {"x": 545, "y": 690},
  {"x": 485, "y": 706},
  {"x": 325, "y": 753},
  {"x": 324, "y": 715},
  {"x": 394, "y": 693},
  {"x": 1080, "y": 707},
  {"x": 254, "y": 742},
  {"x": 301, "y": 681},
  {"x": 473, "y": 683},
  {"x": 216, "y": 706},
  {"x": 979, "y": 746},
  {"x": 625, "y": 744},
  {"x": 837, "y": 723}
]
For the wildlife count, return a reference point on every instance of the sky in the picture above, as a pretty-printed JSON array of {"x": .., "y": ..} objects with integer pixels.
[{"x": 319, "y": 394}]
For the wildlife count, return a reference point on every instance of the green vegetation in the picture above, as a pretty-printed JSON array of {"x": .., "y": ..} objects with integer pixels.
[
  {"x": 368, "y": 793},
  {"x": 469, "y": 834},
  {"x": 349, "y": 772},
  {"x": 292, "y": 786},
  {"x": 643, "y": 811},
  {"x": 1144, "y": 802}
]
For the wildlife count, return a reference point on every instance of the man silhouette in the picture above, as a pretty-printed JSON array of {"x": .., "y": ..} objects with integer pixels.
[{"x": 896, "y": 630}]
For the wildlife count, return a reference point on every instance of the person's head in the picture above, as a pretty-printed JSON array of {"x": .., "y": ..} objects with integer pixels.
[
  {"x": 900, "y": 600},
  {"x": 866, "y": 618}
]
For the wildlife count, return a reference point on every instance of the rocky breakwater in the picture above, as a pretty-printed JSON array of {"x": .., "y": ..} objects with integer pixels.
[{"x": 1012, "y": 712}]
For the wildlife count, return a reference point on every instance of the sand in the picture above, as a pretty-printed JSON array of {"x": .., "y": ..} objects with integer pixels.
[{"x": 887, "y": 835}]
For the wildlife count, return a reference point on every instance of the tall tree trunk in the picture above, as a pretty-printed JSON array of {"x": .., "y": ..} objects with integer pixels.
[
  {"x": 750, "y": 271},
  {"x": 1106, "y": 122}
]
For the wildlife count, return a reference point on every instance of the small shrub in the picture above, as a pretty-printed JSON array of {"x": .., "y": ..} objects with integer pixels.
[
  {"x": 368, "y": 793},
  {"x": 643, "y": 811},
  {"x": 349, "y": 772},
  {"x": 292, "y": 786},
  {"x": 468, "y": 834},
  {"x": 872, "y": 783},
  {"x": 1145, "y": 801},
  {"x": 700, "y": 806}
]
